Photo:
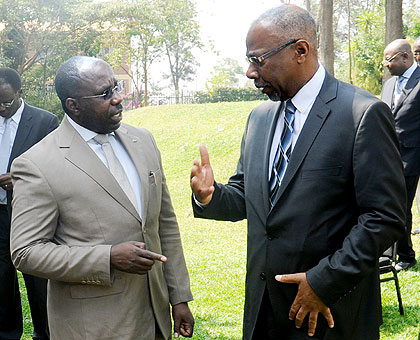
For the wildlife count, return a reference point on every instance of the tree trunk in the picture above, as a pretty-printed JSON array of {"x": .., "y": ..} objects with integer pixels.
[
  {"x": 393, "y": 21},
  {"x": 146, "y": 95},
  {"x": 349, "y": 41},
  {"x": 326, "y": 36},
  {"x": 308, "y": 5}
]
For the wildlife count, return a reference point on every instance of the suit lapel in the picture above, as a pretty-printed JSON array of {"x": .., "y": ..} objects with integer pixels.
[
  {"x": 411, "y": 84},
  {"x": 137, "y": 154},
  {"x": 22, "y": 133},
  {"x": 389, "y": 91},
  {"x": 84, "y": 158},
  {"x": 310, "y": 130}
]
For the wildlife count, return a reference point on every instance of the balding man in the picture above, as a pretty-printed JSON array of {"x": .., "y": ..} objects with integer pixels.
[
  {"x": 92, "y": 213},
  {"x": 416, "y": 50},
  {"x": 321, "y": 184},
  {"x": 402, "y": 93}
]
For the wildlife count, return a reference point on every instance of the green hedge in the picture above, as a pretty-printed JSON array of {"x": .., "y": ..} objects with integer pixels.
[{"x": 229, "y": 94}]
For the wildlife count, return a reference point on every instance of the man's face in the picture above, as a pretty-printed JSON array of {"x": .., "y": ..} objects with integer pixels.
[
  {"x": 101, "y": 114},
  {"x": 8, "y": 95},
  {"x": 275, "y": 76},
  {"x": 396, "y": 61},
  {"x": 416, "y": 51}
]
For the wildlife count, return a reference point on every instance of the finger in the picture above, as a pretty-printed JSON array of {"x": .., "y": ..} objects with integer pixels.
[
  {"x": 313, "y": 319},
  {"x": 300, "y": 317},
  {"x": 195, "y": 169},
  {"x": 153, "y": 256},
  {"x": 177, "y": 323},
  {"x": 328, "y": 316},
  {"x": 290, "y": 278},
  {"x": 186, "y": 330},
  {"x": 293, "y": 310},
  {"x": 205, "y": 160}
]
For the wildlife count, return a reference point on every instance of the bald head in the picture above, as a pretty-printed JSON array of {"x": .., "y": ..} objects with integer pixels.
[
  {"x": 71, "y": 75},
  {"x": 416, "y": 50},
  {"x": 289, "y": 21},
  {"x": 398, "y": 57}
]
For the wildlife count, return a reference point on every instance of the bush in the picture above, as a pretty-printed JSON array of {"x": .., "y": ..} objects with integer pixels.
[{"x": 229, "y": 94}]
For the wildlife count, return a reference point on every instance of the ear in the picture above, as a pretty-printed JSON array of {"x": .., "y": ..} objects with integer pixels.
[
  {"x": 19, "y": 93},
  {"x": 72, "y": 106},
  {"x": 302, "y": 50}
]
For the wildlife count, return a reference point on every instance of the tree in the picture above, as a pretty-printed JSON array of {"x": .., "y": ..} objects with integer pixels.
[
  {"x": 326, "y": 36},
  {"x": 393, "y": 21},
  {"x": 180, "y": 34}
]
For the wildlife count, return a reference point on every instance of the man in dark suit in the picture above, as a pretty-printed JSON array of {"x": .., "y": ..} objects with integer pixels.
[
  {"x": 21, "y": 127},
  {"x": 402, "y": 93},
  {"x": 321, "y": 184}
]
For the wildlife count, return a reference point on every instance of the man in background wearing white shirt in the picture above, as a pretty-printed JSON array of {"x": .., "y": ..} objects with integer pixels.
[{"x": 21, "y": 126}]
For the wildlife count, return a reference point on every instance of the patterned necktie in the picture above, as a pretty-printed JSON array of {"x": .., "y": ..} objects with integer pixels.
[
  {"x": 116, "y": 168},
  {"x": 281, "y": 158},
  {"x": 4, "y": 154},
  {"x": 398, "y": 90}
]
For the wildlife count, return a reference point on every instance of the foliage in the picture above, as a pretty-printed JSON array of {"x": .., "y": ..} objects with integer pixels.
[
  {"x": 229, "y": 94},
  {"x": 225, "y": 74},
  {"x": 180, "y": 34}
]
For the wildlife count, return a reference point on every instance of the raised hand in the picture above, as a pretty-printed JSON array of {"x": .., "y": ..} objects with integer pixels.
[
  {"x": 132, "y": 257},
  {"x": 202, "y": 178}
]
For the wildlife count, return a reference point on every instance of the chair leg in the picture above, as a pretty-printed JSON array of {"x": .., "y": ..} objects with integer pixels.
[{"x": 397, "y": 287}]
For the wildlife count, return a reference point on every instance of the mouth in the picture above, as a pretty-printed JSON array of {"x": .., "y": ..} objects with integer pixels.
[{"x": 117, "y": 116}]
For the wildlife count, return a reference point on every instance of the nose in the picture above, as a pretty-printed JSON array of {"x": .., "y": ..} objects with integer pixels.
[
  {"x": 2, "y": 108},
  {"x": 252, "y": 72},
  {"x": 117, "y": 98}
]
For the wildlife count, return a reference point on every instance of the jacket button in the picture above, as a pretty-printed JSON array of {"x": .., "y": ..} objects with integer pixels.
[{"x": 262, "y": 276}]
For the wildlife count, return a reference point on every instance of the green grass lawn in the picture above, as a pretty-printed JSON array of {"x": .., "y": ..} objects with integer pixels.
[{"x": 215, "y": 251}]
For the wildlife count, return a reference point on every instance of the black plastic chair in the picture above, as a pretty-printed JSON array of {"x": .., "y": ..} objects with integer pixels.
[{"x": 387, "y": 265}]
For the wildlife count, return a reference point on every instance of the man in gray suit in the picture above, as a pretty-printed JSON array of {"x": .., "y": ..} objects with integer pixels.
[
  {"x": 319, "y": 180},
  {"x": 92, "y": 213},
  {"x": 402, "y": 93}
]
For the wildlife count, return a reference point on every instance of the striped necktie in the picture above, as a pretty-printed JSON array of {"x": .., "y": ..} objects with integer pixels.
[
  {"x": 281, "y": 158},
  {"x": 398, "y": 90},
  {"x": 4, "y": 154}
]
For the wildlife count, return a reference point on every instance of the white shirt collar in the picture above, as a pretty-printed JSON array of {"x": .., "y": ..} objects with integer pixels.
[{"x": 308, "y": 93}]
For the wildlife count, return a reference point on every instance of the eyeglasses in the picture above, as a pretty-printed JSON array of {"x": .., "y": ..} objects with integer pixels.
[
  {"x": 8, "y": 104},
  {"x": 416, "y": 53},
  {"x": 390, "y": 59},
  {"x": 258, "y": 61},
  {"x": 109, "y": 92}
]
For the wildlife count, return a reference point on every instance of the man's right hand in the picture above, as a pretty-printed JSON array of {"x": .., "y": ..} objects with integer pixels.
[
  {"x": 132, "y": 257},
  {"x": 202, "y": 178}
]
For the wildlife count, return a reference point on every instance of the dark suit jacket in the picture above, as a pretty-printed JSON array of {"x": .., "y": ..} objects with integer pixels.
[
  {"x": 407, "y": 120},
  {"x": 342, "y": 203},
  {"x": 34, "y": 125}
]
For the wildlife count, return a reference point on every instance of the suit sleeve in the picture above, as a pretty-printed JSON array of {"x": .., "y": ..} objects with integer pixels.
[
  {"x": 380, "y": 194},
  {"x": 34, "y": 222}
]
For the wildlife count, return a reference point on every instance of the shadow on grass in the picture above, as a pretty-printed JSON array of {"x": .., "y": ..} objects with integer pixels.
[
  {"x": 204, "y": 326},
  {"x": 394, "y": 323}
]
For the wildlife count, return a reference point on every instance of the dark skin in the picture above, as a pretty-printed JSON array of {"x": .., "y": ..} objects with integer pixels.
[
  {"x": 104, "y": 115},
  {"x": 400, "y": 52},
  {"x": 7, "y": 94},
  {"x": 280, "y": 77}
]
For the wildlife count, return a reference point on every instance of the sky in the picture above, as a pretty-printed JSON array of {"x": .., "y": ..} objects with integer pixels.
[{"x": 225, "y": 23}]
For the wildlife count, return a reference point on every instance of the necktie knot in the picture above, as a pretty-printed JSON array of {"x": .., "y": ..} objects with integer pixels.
[
  {"x": 290, "y": 108},
  {"x": 101, "y": 138}
]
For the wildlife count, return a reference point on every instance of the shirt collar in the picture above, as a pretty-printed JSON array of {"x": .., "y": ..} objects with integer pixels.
[
  {"x": 308, "y": 93},
  {"x": 86, "y": 134},
  {"x": 408, "y": 72}
]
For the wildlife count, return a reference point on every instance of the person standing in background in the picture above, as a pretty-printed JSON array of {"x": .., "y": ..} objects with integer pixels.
[
  {"x": 402, "y": 94},
  {"x": 21, "y": 126}
]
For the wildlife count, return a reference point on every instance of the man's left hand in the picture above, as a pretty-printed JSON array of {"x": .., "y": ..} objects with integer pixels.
[
  {"x": 6, "y": 181},
  {"x": 306, "y": 301},
  {"x": 183, "y": 320}
]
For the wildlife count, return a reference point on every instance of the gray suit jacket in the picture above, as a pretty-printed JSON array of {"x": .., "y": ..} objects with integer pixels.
[
  {"x": 68, "y": 210},
  {"x": 342, "y": 203},
  {"x": 407, "y": 120}
]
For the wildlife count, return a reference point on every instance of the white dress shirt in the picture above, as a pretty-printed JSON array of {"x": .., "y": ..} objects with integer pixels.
[
  {"x": 303, "y": 101},
  {"x": 119, "y": 151},
  {"x": 13, "y": 125}
]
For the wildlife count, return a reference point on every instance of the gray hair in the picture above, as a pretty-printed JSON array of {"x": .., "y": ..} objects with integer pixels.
[{"x": 290, "y": 21}]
